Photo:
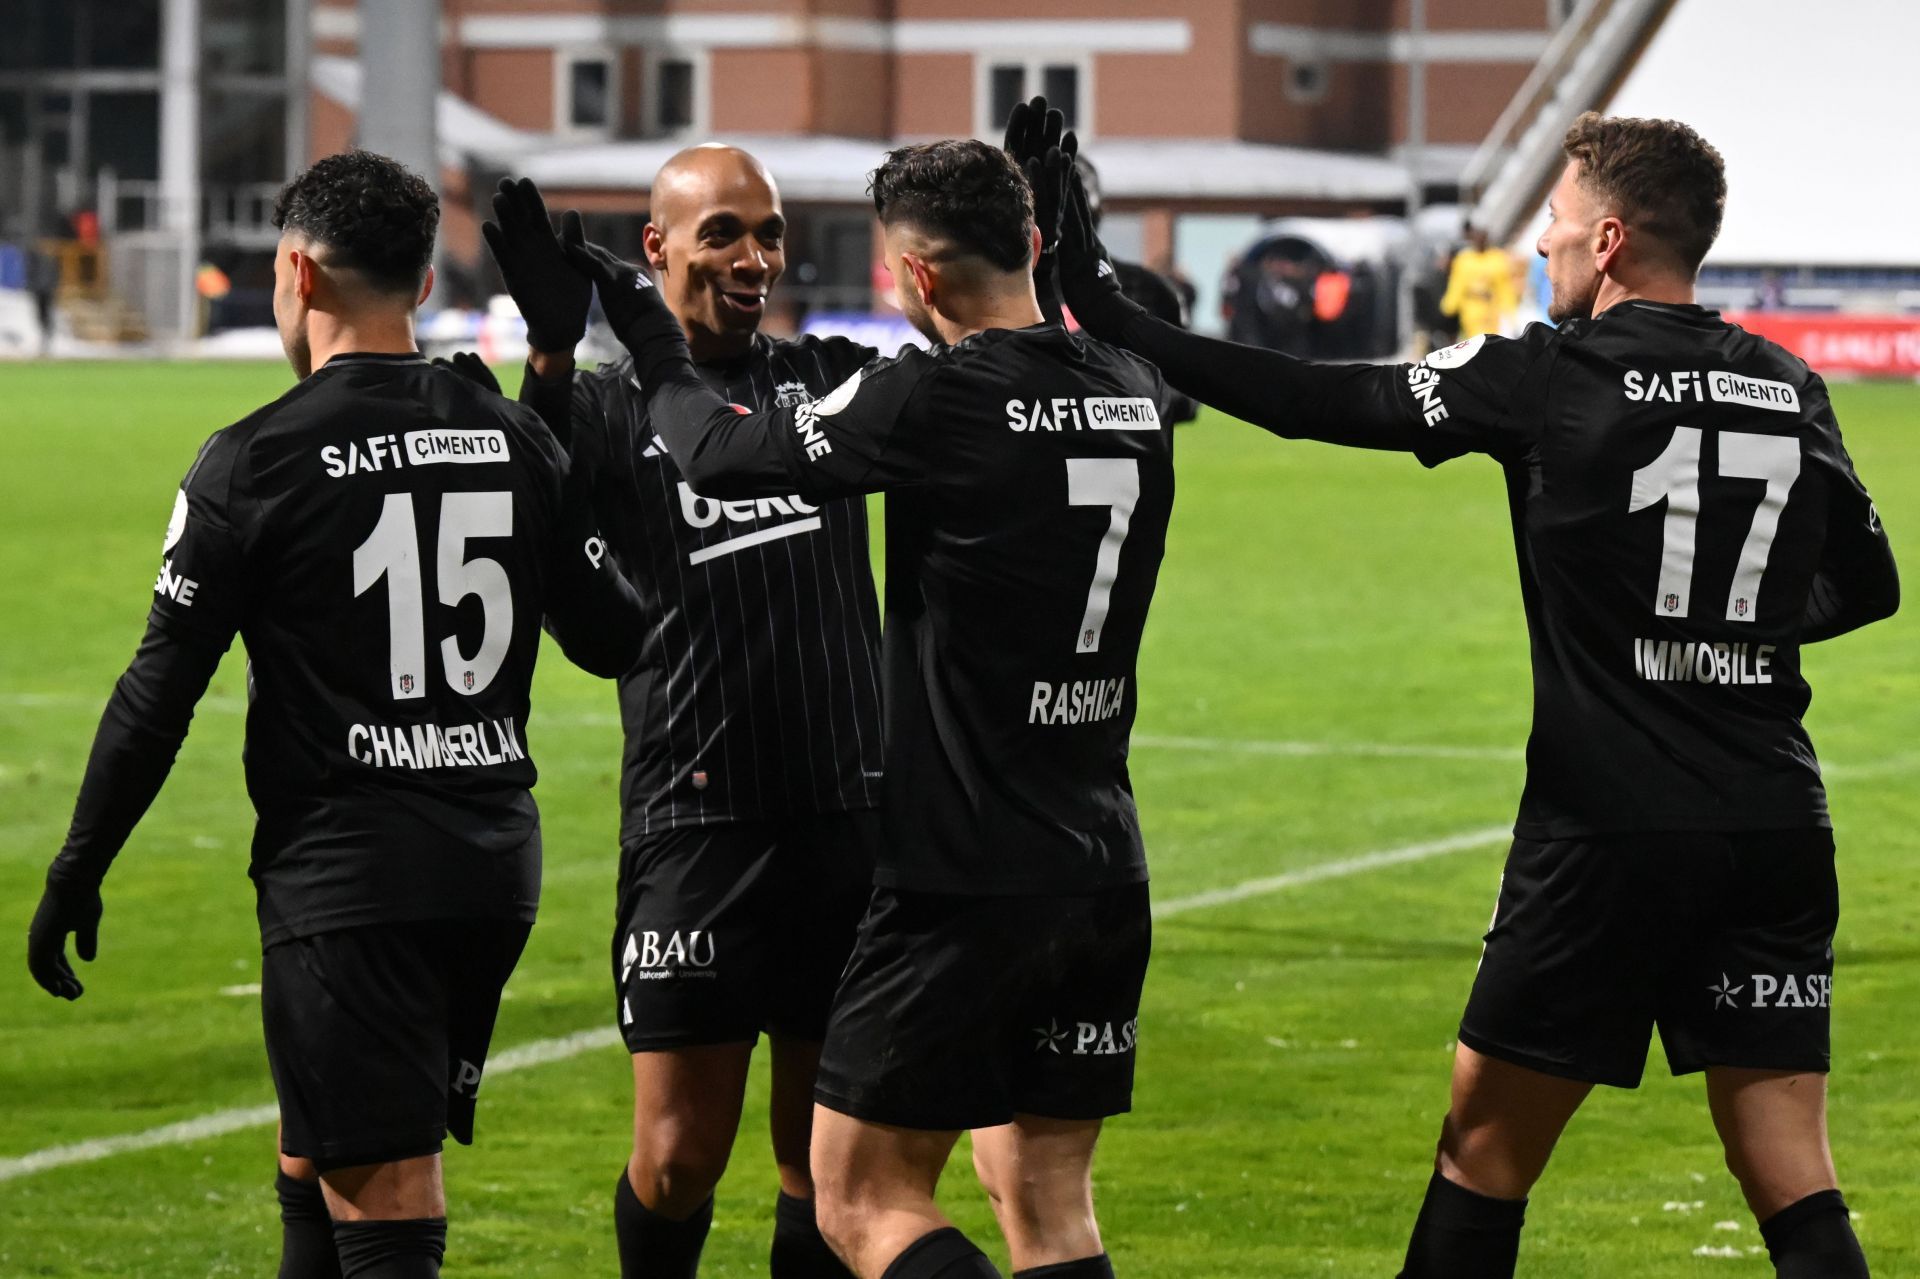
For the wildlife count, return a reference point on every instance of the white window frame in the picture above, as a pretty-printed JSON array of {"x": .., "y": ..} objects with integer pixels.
[
  {"x": 564, "y": 61},
  {"x": 702, "y": 62},
  {"x": 1035, "y": 63}
]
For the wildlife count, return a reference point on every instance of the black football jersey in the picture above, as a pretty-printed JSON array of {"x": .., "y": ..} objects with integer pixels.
[
  {"x": 757, "y": 693},
  {"x": 1029, "y": 480},
  {"x": 1674, "y": 483},
  {"x": 387, "y": 538}
]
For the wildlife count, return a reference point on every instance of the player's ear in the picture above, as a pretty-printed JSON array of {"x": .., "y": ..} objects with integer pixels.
[
  {"x": 1609, "y": 238},
  {"x": 306, "y": 276},
  {"x": 653, "y": 242},
  {"x": 924, "y": 276},
  {"x": 1033, "y": 246},
  {"x": 426, "y": 288}
]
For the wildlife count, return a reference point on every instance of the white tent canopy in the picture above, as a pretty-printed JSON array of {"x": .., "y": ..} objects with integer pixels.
[{"x": 1810, "y": 106}]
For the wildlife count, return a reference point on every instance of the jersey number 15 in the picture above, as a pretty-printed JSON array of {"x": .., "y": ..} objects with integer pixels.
[{"x": 392, "y": 551}]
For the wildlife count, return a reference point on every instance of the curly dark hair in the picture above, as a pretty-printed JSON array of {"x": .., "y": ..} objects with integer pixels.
[
  {"x": 962, "y": 190},
  {"x": 373, "y": 214},
  {"x": 1657, "y": 175}
]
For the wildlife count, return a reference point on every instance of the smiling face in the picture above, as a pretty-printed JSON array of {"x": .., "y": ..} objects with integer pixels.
[{"x": 717, "y": 239}]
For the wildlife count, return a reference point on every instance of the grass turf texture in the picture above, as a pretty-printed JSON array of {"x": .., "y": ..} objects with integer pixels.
[{"x": 1295, "y": 1046}]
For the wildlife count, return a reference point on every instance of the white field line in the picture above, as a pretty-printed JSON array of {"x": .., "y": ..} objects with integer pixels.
[
  {"x": 1891, "y": 766},
  {"x": 1336, "y": 869},
  {"x": 1246, "y": 746},
  {"x": 541, "y": 1052},
  {"x": 221, "y": 1122}
]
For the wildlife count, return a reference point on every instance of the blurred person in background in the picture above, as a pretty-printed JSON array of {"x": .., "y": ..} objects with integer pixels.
[{"x": 1480, "y": 294}]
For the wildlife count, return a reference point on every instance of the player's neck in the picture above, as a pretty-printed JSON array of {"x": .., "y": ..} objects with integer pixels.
[
  {"x": 1648, "y": 288},
  {"x": 991, "y": 311},
  {"x": 708, "y": 346},
  {"x": 331, "y": 335}
]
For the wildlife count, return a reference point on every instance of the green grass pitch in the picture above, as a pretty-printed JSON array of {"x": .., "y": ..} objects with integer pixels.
[{"x": 1295, "y": 1042}]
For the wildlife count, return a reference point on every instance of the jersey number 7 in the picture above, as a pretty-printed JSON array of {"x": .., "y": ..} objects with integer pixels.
[
  {"x": 1675, "y": 477},
  {"x": 1113, "y": 482},
  {"x": 392, "y": 551}
]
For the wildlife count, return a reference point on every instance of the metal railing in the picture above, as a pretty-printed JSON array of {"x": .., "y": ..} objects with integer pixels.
[
  {"x": 1587, "y": 58},
  {"x": 236, "y": 213}
]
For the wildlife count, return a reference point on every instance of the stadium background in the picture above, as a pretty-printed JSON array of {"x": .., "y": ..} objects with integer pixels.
[{"x": 1334, "y": 690}]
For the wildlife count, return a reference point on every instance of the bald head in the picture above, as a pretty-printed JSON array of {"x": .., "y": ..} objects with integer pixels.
[
  {"x": 708, "y": 175},
  {"x": 716, "y": 238}
]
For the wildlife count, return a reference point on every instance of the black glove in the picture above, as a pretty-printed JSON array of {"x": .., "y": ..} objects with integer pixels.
[
  {"x": 473, "y": 368},
  {"x": 1034, "y": 133},
  {"x": 551, "y": 295},
  {"x": 1087, "y": 278},
  {"x": 64, "y": 908},
  {"x": 634, "y": 307}
]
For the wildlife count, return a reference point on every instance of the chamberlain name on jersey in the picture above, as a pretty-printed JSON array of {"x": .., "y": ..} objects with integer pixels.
[
  {"x": 387, "y": 538},
  {"x": 1029, "y": 481},
  {"x": 758, "y": 689},
  {"x": 1676, "y": 484}
]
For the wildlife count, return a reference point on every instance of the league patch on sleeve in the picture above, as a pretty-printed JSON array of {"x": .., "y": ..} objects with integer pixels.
[
  {"x": 176, "y": 525},
  {"x": 1452, "y": 357}
]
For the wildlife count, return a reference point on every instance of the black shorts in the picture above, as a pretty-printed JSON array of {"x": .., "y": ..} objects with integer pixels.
[
  {"x": 961, "y": 1012},
  {"x": 724, "y": 931},
  {"x": 1723, "y": 941},
  {"x": 377, "y": 1036}
]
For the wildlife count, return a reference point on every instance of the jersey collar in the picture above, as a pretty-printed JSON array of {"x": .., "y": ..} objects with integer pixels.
[{"x": 374, "y": 357}]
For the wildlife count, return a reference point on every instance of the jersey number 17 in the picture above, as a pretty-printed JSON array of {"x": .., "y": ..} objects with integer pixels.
[{"x": 1675, "y": 477}]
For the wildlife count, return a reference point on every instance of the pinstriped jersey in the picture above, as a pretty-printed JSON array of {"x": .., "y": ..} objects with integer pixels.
[{"x": 757, "y": 693}]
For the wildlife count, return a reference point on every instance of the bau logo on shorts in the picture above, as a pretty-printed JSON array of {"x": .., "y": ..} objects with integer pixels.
[
  {"x": 1764, "y": 990},
  {"x": 1089, "y": 1038},
  {"x": 657, "y": 956}
]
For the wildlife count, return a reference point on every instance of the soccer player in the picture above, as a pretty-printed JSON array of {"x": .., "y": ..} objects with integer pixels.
[
  {"x": 386, "y": 537},
  {"x": 1481, "y": 293},
  {"x": 752, "y": 763},
  {"x": 1685, "y": 518},
  {"x": 996, "y": 981}
]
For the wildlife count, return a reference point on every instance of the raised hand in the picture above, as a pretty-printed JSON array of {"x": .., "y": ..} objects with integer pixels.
[
  {"x": 633, "y": 305},
  {"x": 551, "y": 295},
  {"x": 473, "y": 368},
  {"x": 1087, "y": 278},
  {"x": 1033, "y": 129},
  {"x": 64, "y": 909}
]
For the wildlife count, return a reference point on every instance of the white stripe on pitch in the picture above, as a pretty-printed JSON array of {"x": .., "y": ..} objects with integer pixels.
[
  {"x": 1334, "y": 870},
  {"x": 1256, "y": 746},
  {"x": 221, "y": 1122},
  {"x": 544, "y": 1051}
]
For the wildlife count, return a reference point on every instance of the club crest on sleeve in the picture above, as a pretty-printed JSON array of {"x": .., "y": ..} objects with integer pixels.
[
  {"x": 791, "y": 395},
  {"x": 840, "y": 396},
  {"x": 176, "y": 525},
  {"x": 1452, "y": 357}
]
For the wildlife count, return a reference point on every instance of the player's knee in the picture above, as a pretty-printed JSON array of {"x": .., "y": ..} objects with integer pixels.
[
  {"x": 675, "y": 1178},
  {"x": 838, "y": 1213}
]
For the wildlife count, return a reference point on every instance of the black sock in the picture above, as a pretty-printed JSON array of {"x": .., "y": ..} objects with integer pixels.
[
  {"x": 1463, "y": 1235},
  {"x": 656, "y": 1247},
  {"x": 306, "y": 1231},
  {"x": 411, "y": 1249},
  {"x": 1813, "y": 1238},
  {"x": 941, "y": 1254},
  {"x": 798, "y": 1250},
  {"x": 1086, "y": 1268}
]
